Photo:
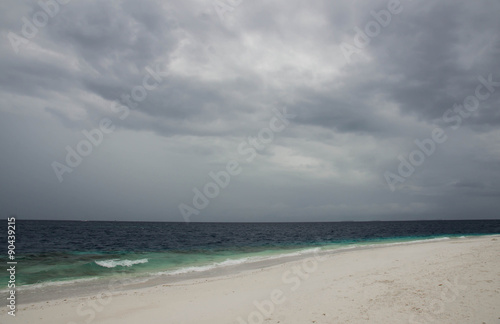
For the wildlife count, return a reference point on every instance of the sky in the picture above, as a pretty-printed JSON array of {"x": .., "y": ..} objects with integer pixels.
[{"x": 254, "y": 111}]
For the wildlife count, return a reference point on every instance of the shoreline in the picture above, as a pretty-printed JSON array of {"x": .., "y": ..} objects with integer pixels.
[
  {"x": 86, "y": 287},
  {"x": 342, "y": 272}
]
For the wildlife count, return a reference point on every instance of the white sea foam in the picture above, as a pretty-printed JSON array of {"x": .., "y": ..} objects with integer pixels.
[
  {"x": 408, "y": 242},
  {"x": 233, "y": 262},
  {"x": 122, "y": 263},
  {"x": 51, "y": 283}
]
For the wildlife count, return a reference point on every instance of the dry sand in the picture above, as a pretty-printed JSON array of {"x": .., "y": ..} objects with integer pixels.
[{"x": 452, "y": 281}]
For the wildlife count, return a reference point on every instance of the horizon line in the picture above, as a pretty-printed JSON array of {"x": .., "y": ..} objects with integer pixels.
[{"x": 256, "y": 222}]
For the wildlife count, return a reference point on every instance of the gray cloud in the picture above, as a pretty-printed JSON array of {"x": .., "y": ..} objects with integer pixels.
[{"x": 221, "y": 81}]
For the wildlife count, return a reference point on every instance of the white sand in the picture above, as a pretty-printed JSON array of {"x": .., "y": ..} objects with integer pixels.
[{"x": 453, "y": 281}]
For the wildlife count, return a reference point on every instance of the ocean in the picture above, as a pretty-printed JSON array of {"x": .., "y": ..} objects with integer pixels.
[{"x": 58, "y": 253}]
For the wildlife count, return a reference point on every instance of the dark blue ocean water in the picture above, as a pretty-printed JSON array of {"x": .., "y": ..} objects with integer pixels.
[{"x": 53, "y": 251}]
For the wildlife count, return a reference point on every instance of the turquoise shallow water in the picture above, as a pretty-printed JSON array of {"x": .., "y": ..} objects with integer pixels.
[
  {"x": 50, "y": 267},
  {"x": 84, "y": 251}
]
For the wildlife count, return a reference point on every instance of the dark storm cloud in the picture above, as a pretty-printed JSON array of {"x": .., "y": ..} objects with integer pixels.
[
  {"x": 113, "y": 36},
  {"x": 338, "y": 114},
  {"x": 221, "y": 78},
  {"x": 435, "y": 54}
]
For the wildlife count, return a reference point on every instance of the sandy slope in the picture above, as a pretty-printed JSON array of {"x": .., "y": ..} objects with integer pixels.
[{"x": 453, "y": 281}]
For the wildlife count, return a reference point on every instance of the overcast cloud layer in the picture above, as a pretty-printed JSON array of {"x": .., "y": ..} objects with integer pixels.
[{"x": 222, "y": 75}]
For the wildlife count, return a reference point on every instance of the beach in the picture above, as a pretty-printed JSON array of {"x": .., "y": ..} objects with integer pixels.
[{"x": 445, "y": 281}]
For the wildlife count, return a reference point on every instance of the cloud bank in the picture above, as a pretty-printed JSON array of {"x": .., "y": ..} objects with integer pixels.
[{"x": 222, "y": 68}]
